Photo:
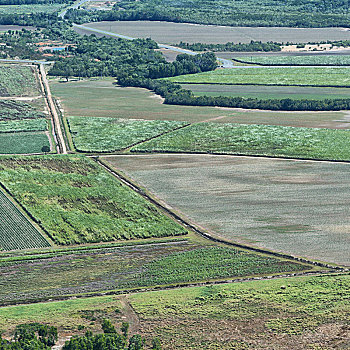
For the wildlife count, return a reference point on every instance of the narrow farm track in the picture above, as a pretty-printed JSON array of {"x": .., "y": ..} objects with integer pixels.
[
  {"x": 130, "y": 314},
  {"x": 61, "y": 145},
  {"x": 198, "y": 230}
]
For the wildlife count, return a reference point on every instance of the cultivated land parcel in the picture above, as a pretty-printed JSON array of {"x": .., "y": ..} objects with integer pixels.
[{"x": 151, "y": 235}]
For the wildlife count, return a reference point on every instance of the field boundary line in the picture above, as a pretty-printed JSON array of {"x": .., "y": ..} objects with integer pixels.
[
  {"x": 140, "y": 152},
  {"x": 193, "y": 227},
  {"x": 168, "y": 287}
]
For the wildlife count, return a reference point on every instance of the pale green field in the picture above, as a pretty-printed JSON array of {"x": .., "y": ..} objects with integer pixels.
[
  {"x": 289, "y": 76},
  {"x": 100, "y": 98},
  {"x": 297, "y": 207},
  {"x": 29, "y": 9}
]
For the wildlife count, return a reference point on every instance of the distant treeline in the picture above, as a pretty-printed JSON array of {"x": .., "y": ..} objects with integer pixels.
[
  {"x": 232, "y": 47},
  {"x": 288, "y": 13},
  {"x": 174, "y": 94}
]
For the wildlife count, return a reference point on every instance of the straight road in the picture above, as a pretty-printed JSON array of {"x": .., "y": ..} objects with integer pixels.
[{"x": 62, "y": 149}]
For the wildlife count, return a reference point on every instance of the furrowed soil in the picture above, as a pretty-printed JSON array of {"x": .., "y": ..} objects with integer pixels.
[{"x": 296, "y": 207}]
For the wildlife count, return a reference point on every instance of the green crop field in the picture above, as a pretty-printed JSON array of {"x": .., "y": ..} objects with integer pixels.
[
  {"x": 18, "y": 81},
  {"x": 100, "y": 98},
  {"x": 130, "y": 266},
  {"x": 29, "y": 9},
  {"x": 16, "y": 232},
  {"x": 23, "y": 142},
  {"x": 264, "y": 140},
  {"x": 10, "y": 110},
  {"x": 173, "y": 33},
  {"x": 269, "y": 92},
  {"x": 296, "y": 207},
  {"x": 294, "y": 313},
  {"x": 112, "y": 134},
  {"x": 39, "y": 124},
  {"x": 76, "y": 201},
  {"x": 308, "y": 60},
  {"x": 297, "y": 313},
  {"x": 300, "y": 76}
]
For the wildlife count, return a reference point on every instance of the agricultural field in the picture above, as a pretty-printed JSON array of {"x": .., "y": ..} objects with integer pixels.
[
  {"x": 15, "y": 110},
  {"x": 297, "y": 313},
  {"x": 263, "y": 140},
  {"x": 148, "y": 264},
  {"x": 113, "y": 134},
  {"x": 296, "y": 207},
  {"x": 30, "y": 9},
  {"x": 289, "y": 76},
  {"x": 18, "y": 81},
  {"x": 39, "y": 124},
  {"x": 274, "y": 314},
  {"x": 268, "y": 92},
  {"x": 100, "y": 98},
  {"x": 173, "y": 33},
  {"x": 75, "y": 201},
  {"x": 16, "y": 231},
  {"x": 303, "y": 60},
  {"x": 5, "y": 28},
  {"x": 23, "y": 142}
]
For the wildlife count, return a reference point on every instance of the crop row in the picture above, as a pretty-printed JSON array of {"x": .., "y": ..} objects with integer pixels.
[
  {"x": 18, "y": 81},
  {"x": 293, "y": 76},
  {"x": 264, "y": 140},
  {"x": 23, "y": 142},
  {"x": 39, "y": 124},
  {"x": 110, "y": 134},
  {"x": 302, "y": 60},
  {"x": 16, "y": 232},
  {"x": 10, "y": 110},
  {"x": 76, "y": 201}
]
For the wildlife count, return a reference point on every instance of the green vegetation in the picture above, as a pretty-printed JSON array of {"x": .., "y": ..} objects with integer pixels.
[
  {"x": 31, "y": 336},
  {"x": 76, "y": 201},
  {"x": 290, "y": 13},
  {"x": 29, "y": 9},
  {"x": 300, "y": 76},
  {"x": 112, "y": 134},
  {"x": 282, "y": 313},
  {"x": 262, "y": 92},
  {"x": 18, "y": 81},
  {"x": 10, "y": 110},
  {"x": 302, "y": 60},
  {"x": 125, "y": 267},
  {"x": 266, "y": 140},
  {"x": 253, "y": 46},
  {"x": 22, "y": 143},
  {"x": 210, "y": 263},
  {"x": 39, "y": 124},
  {"x": 100, "y": 98},
  {"x": 16, "y": 232}
]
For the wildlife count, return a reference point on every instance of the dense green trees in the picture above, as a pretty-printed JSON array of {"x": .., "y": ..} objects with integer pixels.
[
  {"x": 290, "y": 13},
  {"x": 33, "y": 336}
]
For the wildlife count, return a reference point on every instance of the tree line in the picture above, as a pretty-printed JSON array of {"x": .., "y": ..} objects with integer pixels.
[
  {"x": 288, "y": 13},
  {"x": 35, "y": 336}
]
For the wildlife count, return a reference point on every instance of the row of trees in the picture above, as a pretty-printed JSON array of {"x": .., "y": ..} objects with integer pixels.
[
  {"x": 110, "y": 339},
  {"x": 174, "y": 94},
  {"x": 35, "y": 336},
  {"x": 253, "y": 46}
]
